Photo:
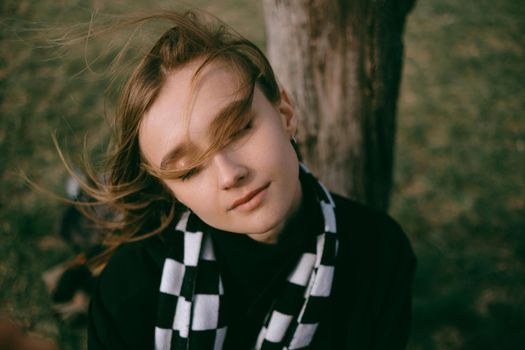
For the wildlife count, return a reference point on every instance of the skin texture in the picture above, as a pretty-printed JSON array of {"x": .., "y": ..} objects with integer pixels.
[{"x": 260, "y": 154}]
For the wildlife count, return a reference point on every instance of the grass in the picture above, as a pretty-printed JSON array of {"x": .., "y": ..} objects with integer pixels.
[
  {"x": 460, "y": 172},
  {"x": 460, "y": 160}
]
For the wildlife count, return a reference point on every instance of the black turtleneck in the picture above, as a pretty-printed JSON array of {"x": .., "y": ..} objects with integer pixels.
[{"x": 369, "y": 307}]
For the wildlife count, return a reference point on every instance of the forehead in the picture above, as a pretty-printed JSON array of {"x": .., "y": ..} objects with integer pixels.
[{"x": 186, "y": 107}]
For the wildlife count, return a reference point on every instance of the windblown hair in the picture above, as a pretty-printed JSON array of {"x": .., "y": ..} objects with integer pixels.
[{"x": 132, "y": 187}]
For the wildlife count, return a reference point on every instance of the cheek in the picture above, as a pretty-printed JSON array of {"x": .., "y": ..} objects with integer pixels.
[
  {"x": 193, "y": 194},
  {"x": 177, "y": 191},
  {"x": 278, "y": 151},
  {"x": 169, "y": 189},
  {"x": 271, "y": 143}
]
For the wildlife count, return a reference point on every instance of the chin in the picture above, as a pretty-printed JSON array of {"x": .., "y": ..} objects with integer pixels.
[{"x": 266, "y": 221}]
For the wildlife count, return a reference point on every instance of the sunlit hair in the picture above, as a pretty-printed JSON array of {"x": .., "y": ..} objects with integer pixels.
[{"x": 132, "y": 187}]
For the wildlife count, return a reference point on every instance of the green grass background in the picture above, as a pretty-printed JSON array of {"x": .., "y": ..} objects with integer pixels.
[{"x": 459, "y": 172}]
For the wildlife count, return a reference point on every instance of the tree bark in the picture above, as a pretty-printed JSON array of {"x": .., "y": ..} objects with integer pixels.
[{"x": 341, "y": 61}]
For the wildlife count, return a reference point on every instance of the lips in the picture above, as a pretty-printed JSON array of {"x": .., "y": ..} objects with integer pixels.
[{"x": 248, "y": 197}]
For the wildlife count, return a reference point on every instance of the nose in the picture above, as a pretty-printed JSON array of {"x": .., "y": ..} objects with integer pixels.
[{"x": 230, "y": 172}]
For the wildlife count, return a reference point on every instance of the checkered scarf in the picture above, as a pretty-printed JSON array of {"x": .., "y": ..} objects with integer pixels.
[{"x": 191, "y": 299}]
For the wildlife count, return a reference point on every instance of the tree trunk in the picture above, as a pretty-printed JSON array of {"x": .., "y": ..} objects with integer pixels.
[{"x": 341, "y": 60}]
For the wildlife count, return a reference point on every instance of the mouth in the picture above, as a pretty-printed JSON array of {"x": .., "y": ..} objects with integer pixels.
[{"x": 247, "y": 199}]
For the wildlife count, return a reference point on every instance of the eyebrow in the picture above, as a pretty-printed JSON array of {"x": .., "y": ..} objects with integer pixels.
[{"x": 180, "y": 151}]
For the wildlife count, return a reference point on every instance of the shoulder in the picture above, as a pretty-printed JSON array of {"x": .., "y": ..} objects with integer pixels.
[
  {"x": 371, "y": 236},
  {"x": 132, "y": 268},
  {"x": 373, "y": 277},
  {"x": 127, "y": 287},
  {"x": 129, "y": 283}
]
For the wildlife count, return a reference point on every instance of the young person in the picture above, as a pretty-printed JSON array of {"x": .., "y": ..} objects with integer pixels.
[{"x": 231, "y": 242}]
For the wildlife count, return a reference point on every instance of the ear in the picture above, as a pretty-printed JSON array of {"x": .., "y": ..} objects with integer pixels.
[{"x": 287, "y": 112}]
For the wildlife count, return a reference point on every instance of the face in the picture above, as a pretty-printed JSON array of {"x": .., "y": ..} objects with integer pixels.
[{"x": 251, "y": 186}]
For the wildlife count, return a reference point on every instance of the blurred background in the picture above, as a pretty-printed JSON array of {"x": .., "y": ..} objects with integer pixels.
[{"x": 459, "y": 188}]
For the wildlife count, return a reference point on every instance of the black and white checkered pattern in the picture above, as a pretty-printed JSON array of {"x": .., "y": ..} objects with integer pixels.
[{"x": 190, "y": 310}]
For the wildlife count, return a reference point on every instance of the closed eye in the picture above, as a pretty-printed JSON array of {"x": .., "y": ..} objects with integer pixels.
[
  {"x": 244, "y": 130},
  {"x": 189, "y": 174},
  {"x": 249, "y": 125}
]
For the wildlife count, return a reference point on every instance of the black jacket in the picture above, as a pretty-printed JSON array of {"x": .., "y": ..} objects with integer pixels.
[{"x": 370, "y": 304}]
